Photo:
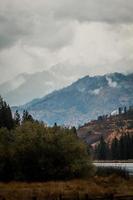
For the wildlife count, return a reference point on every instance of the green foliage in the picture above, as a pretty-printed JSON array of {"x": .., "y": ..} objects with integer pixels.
[
  {"x": 6, "y": 170},
  {"x": 27, "y": 117},
  {"x": 115, "y": 149},
  {"x": 17, "y": 118},
  {"x": 6, "y": 119},
  {"x": 102, "y": 150},
  {"x": 120, "y": 149},
  {"x": 34, "y": 152}
]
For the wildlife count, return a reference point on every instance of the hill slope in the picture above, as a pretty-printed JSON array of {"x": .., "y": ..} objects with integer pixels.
[
  {"x": 84, "y": 100},
  {"x": 108, "y": 127}
]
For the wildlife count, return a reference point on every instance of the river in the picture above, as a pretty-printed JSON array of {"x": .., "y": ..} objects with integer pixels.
[{"x": 127, "y": 166}]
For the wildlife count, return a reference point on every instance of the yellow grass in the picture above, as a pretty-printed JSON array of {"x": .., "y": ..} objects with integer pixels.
[{"x": 93, "y": 187}]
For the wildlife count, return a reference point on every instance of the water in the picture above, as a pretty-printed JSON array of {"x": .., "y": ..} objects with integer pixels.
[{"x": 127, "y": 166}]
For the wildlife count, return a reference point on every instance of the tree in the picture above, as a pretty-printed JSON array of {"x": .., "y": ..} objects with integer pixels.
[
  {"x": 6, "y": 165},
  {"x": 74, "y": 131},
  {"x": 114, "y": 149},
  {"x": 120, "y": 110},
  {"x": 6, "y": 119},
  {"x": 40, "y": 153},
  {"x": 102, "y": 150},
  {"x": 125, "y": 110},
  {"x": 17, "y": 118},
  {"x": 27, "y": 117}
]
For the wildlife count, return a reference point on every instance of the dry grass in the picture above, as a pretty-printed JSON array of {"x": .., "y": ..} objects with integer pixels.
[{"x": 95, "y": 186}]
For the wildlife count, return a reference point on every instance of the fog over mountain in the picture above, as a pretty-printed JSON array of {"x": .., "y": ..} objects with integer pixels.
[{"x": 25, "y": 87}]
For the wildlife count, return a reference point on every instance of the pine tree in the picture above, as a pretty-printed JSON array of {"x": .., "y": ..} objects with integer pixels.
[
  {"x": 27, "y": 117},
  {"x": 17, "y": 118},
  {"x": 114, "y": 149},
  {"x": 102, "y": 150},
  {"x": 6, "y": 119}
]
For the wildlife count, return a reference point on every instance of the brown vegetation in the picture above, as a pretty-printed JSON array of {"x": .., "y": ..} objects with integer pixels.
[
  {"x": 108, "y": 127},
  {"x": 97, "y": 186}
]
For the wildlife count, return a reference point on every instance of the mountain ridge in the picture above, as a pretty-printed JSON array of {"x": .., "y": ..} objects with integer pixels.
[{"x": 83, "y": 100}]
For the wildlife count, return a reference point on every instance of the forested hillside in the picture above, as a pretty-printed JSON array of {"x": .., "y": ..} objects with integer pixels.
[{"x": 111, "y": 136}]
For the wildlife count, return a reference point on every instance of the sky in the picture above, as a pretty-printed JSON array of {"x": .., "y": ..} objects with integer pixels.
[{"x": 73, "y": 37}]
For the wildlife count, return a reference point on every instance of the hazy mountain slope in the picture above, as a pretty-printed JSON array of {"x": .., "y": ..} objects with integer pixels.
[
  {"x": 84, "y": 100},
  {"x": 8, "y": 86},
  {"x": 26, "y": 87}
]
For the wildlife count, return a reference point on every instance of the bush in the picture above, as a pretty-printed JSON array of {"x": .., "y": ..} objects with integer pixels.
[{"x": 39, "y": 153}]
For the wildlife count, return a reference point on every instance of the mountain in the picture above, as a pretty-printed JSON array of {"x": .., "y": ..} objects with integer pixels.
[
  {"x": 84, "y": 100},
  {"x": 26, "y": 87},
  {"x": 19, "y": 90}
]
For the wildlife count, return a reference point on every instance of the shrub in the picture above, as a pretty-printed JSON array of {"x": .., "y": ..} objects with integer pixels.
[{"x": 39, "y": 153}]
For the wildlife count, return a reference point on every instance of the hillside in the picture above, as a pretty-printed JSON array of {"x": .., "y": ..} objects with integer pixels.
[
  {"x": 84, "y": 100},
  {"x": 109, "y": 127}
]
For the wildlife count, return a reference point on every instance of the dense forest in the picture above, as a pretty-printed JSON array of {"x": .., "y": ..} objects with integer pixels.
[
  {"x": 119, "y": 149},
  {"x": 31, "y": 151}
]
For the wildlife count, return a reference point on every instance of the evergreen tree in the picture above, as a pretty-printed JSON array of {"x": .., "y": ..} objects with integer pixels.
[
  {"x": 120, "y": 110},
  {"x": 74, "y": 131},
  {"x": 102, "y": 150},
  {"x": 125, "y": 110},
  {"x": 17, "y": 118},
  {"x": 6, "y": 119},
  {"x": 114, "y": 149},
  {"x": 27, "y": 117}
]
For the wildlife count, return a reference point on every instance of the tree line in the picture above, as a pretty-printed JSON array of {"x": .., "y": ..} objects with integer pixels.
[
  {"x": 119, "y": 149},
  {"x": 31, "y": 151},
  {"x": 6, "y": 118}
]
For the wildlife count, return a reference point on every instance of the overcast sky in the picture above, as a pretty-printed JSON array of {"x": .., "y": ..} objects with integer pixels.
[{"x": 81, "y": 36}]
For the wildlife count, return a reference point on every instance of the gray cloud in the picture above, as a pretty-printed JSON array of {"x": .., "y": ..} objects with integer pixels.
[
  {"x": 111, "y": 11},
  {"x": 33, "y": 24},
  {"x": 51, "y": 23},
  {"x": 78, "y": 37},
  {"x": 111, "y": 83}
]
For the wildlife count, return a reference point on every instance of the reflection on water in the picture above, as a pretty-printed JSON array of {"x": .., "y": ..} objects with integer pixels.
[{"x": 127, "y": 166}]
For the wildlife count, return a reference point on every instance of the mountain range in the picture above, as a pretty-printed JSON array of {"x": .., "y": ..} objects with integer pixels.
[{"x": 83, "y": 100}]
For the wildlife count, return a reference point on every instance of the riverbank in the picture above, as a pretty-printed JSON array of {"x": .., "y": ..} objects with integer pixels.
[
  {"x": 93, "y": 187},
  {"x": 128, "y": 166},
  {"x": 112, "y": 161}
]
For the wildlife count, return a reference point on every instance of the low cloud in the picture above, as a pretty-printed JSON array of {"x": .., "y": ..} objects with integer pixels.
[
  {"x": 96, "y": 91},
  {"x": 111, "y": 83}
]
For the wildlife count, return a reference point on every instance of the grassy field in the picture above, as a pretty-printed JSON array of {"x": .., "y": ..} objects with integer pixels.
[{"x": 97, "y": 186}]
